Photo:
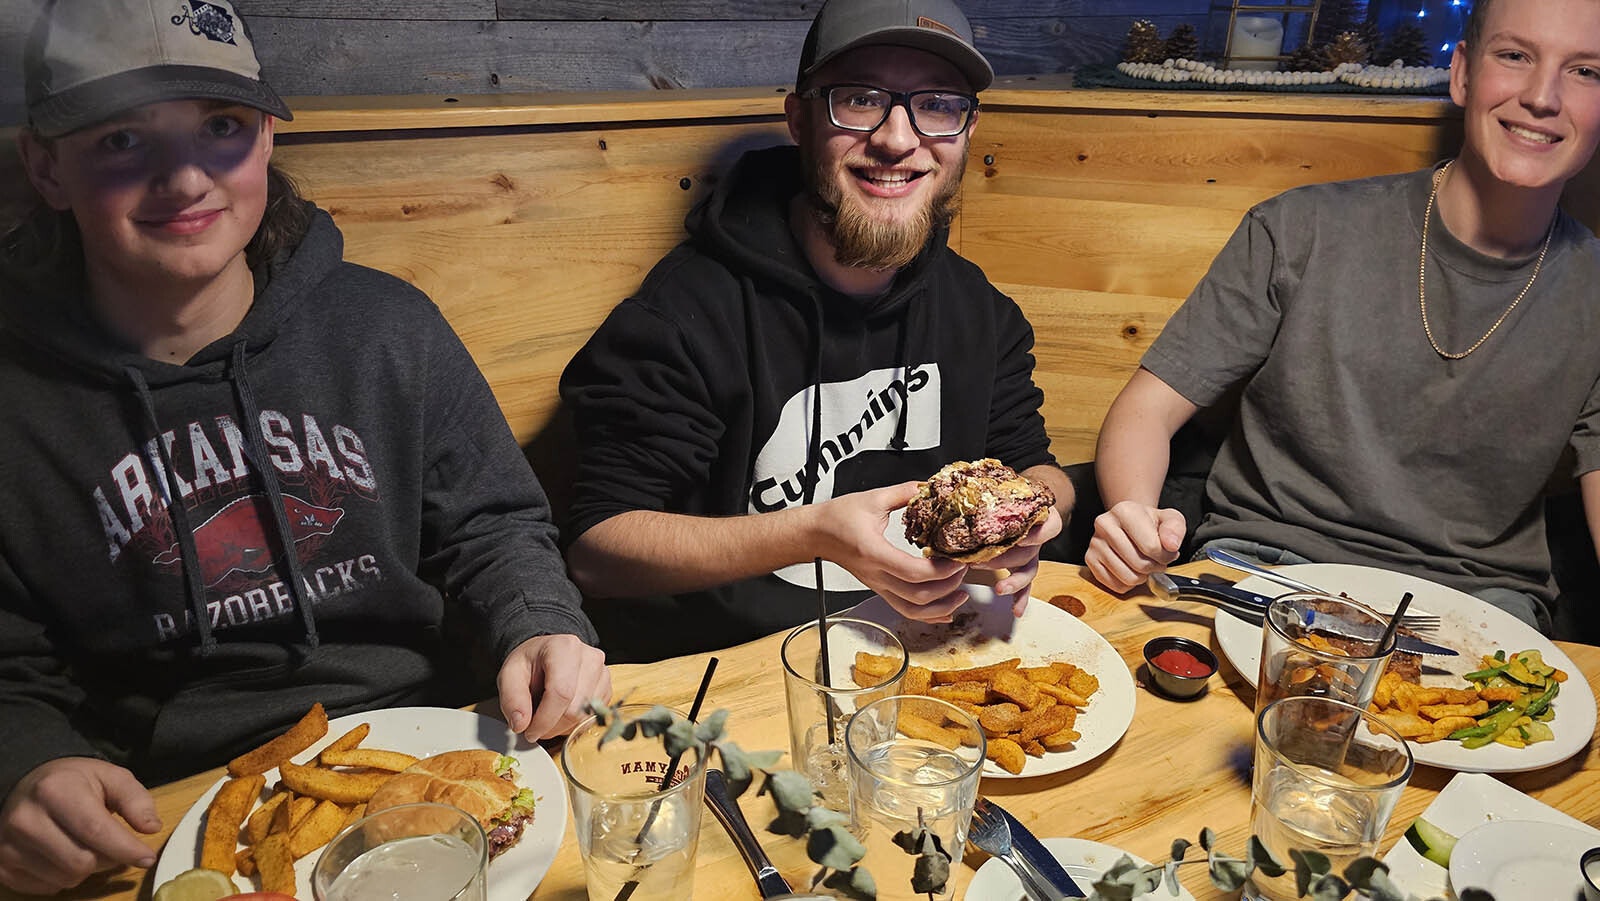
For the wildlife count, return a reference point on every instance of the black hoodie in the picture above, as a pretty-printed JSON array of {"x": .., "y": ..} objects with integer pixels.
[
  {"x": 696, "y": 396},
  {"x": 391, "y": 481}
]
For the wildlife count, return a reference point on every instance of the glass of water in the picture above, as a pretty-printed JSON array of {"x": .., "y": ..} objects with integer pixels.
[
  {"x": 630, "y": 830},
  {"x": 819, "y": 708},
  {"x": 1327, "y": 776},
  {"x": 914, "y": 764},
  {"x": 411, "y": 852},
  {"x": 1300, "y": 657}
]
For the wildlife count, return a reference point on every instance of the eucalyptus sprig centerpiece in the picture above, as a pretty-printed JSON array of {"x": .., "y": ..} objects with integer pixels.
[
  {"x": 826, "y": 833},
  {"x": 1314, "y": 879}
]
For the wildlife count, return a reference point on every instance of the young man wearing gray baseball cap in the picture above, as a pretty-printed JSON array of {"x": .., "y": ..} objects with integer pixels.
[
  {"x": 243, "y": 476},
  {"x": 751, "y": 418}
]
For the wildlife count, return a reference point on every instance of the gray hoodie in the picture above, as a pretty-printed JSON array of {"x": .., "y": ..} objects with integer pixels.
[{"x": 342, "y": 470}]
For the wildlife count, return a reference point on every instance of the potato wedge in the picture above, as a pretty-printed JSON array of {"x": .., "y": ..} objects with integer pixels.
[
  {"x": 303, "y": 734},
  {"x": 224, "y": 817}
]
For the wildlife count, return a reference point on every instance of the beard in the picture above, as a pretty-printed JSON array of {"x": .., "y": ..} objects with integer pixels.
[{"x": 862, "y": 241}]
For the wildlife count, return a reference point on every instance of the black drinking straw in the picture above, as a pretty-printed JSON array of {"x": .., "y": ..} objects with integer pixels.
[
  {"x": 1394, "y": 622},
  {"x": 822, "y": 649},
  {"x": 632, "y": 885}
]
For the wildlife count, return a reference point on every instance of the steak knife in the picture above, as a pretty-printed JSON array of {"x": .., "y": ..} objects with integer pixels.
[
  {"x": 1252, "y": 607},
  {"x": 726, "y": 809},
  {"x": 1034, "y": 854}
]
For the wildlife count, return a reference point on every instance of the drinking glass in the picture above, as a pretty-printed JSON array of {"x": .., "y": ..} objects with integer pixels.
[
  {"x": 411, "y": 852},
  {"x": 1298, "y": 660},
  {"x": 914, "y": 764},
  {"x": 629, "y": 830},
  {"x": 819, "y": 711},
  {"x": 1327, "y": 776}
]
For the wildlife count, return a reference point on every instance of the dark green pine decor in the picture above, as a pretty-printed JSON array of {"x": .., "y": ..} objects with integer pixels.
[
  {"x": 1333, "y": 18},
  {"x": 1183, "y": 43},
  {"x": 1407, "y": 43}
]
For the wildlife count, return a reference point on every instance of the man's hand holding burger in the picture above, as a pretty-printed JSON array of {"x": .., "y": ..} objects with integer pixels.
[{"x": 920, "y": 589}]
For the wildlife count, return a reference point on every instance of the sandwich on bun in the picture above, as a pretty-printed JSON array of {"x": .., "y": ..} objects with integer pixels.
[
  {"x": 974, "y": 512},
  {"x": 479, "y": 782}
]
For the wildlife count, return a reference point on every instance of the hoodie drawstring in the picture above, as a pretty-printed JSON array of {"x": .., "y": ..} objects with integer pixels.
[
  {"x": 193, "y": 587},
  {"x": 251, "y": 414},
  {"x": 898, "y": 443},
  {"x": 814, "y": 444}
]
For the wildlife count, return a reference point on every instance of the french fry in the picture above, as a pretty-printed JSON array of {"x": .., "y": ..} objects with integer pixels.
[
  {"x": 355, "y": 813},
  {"x": 1008, "y": 754},
  {"x": 1013, "y": 686},
  {"x": 1060, "y": 741},
  {"x": 275, "y": 864},
  {"x": 999, "y": 719},
  {"x": 244, "y": 860},
  {"x": 223, "y": 819},
  {"x": 350, "y": 739},
  {"x": 1064, "y": 695},
  {"x": 316, "y": 830},
  {"x": 260, "y": 822},
  {"x": 928, "y": 730},
  {"x": 971, "y": 692},
  {"x": 1440, "y": 711},
  {"x": 917, "y": 680},
  {"x": 1047, "y": 723},
  {"x": 977, "y": 673},
  {"x": 390, "y": 761},
  {"x": 330, "y": 785},
  {"x": 311, "y": 727},
  {"x": 1083, "y": 683}
]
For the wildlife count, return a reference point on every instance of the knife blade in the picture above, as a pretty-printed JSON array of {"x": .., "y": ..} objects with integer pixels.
[
  {"x": 770, "y": 882},
  {"x": 1035, "y": 855},
  {"x": 1252, "y": 607}
]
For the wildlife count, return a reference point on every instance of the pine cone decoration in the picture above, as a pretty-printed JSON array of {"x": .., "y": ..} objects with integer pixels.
[
  {"x": 1144, "y": 44},
  {"x": 1183, "y": 43},
  {"x": 1370, "y": 35},
  {"x": 1409, "y": 44},
  {"x": 1346, "y": 48},
  {"x": 1308, "y": 58}
]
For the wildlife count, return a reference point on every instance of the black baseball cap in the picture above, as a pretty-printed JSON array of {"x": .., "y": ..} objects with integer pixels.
[
  {"x": 937, "y": 26},
  {"x": 88, "y": 60}
]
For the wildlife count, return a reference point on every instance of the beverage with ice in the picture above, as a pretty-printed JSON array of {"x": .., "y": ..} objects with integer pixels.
[
  {"x": 901, "y": 784},
  {"x": 662, "y": 864},
  {"x": 1327, "y": 777},
  {"x": 421, "y": 868}
]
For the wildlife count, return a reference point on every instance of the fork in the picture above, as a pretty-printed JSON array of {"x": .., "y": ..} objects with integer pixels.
[
  {"x": 1417, "y": 622},
  {"x": 991, "y": 834}
]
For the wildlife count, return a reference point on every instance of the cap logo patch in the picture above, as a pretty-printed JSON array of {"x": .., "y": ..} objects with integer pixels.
[
  {"x": 925, "y": 22},
  {"x": 208, "y": 19}
]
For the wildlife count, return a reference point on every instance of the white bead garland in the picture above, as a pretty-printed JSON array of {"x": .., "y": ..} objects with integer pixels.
[{"x": 1395, "y": 76}]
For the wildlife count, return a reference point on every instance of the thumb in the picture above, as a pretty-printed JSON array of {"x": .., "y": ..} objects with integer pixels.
[
  {"x": 516, "y": 693},
  {"x": 1171, "y": 528},
  {"x": 129, "y": 799}
]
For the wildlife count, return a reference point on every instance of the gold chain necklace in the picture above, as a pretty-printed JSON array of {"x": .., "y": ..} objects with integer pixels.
[{"x": 1422, "y": 275}]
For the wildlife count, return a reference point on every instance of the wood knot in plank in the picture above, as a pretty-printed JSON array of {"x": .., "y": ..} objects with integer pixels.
[{"x": 503, "y": 181}]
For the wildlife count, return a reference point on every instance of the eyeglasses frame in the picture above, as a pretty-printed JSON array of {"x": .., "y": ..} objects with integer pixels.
[{"x": 896, "y": 98}]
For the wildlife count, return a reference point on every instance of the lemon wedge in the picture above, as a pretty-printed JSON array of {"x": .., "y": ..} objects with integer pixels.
[{"x": 196, "y": 885}]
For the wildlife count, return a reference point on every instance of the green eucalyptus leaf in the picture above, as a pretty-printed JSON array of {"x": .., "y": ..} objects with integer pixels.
[
  {"x": 736, "y": 766},
  {"x": 1476, "y": 894},
  {"x": 1361, "y": 871},
  {"x": 908, "y": 841},
  {"x": 1107, "y": 889},
  {"x": 1180, "y": 847},
  {"x": 713, "y": 727},
  {"x": 655, "y": 721},
  {"x": 1228, "y": 873},
  {"x": 763, "y": 760},
  {"x": 855, "y": 883},
  {"x": 1259, "y": 857},
  {"x": 1328, "y": 887},
  {"x": 1207, "y": 838},
  {"x": 1143, "y": 879},
  {"x": 601, "y": 710},
  {"x": 789, "y": 822},
  {"x": 821, "y": 818},
  {"x": 835, "y": 848},
  {"x": 1379, "y": 886},
  {"x": 1171, "y": 872},
  {"x": 679, "y": 738},
  {"x": 613, "y": 731},
  {"x": 930, "y": 873},
  {"x": 790, "y": 790},
  {"x": 1124, "y": 870}
]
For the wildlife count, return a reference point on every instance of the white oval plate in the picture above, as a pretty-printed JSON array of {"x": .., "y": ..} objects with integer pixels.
[
  {"x": 1521, "y": 859},
  {"x": 1469, "y": 625},
  {"x": 421, "y": 732},
  {"x": 1083, "y": 860},
  {"x": 985, "y": 632}
]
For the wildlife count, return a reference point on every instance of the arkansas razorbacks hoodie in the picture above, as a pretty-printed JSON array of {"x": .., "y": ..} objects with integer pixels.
[{"x": 191, "y": 555}]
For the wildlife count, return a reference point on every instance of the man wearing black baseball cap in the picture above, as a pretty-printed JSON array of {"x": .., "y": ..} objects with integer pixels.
[{"x": 752, "y": 417}]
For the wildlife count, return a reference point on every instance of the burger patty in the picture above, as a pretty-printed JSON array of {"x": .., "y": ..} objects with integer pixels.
[
  {"x": 982, "y": 504},
  {"x": 506, "y": 834}
]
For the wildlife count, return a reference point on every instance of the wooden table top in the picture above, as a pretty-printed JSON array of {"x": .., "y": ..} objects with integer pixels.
[{"x": 1180, "y": 767}]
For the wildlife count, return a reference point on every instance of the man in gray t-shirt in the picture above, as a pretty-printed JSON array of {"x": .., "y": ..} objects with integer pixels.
[{"x": 1403, "y": 422}]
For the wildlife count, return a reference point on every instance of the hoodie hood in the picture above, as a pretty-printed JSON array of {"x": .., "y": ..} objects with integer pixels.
[
  {"x": 744, "y": 224},
  {"x": 61, "y": 325}
]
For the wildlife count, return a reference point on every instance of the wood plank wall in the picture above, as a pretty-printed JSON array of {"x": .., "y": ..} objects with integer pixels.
[{"x": 311, "y": 47}]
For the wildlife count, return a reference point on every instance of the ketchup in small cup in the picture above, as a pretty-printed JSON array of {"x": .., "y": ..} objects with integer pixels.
[{"x": 1179, "y": 668}]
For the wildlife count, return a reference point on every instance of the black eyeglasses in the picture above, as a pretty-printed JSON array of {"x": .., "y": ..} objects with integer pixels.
[{"x": 859, "y": 107}]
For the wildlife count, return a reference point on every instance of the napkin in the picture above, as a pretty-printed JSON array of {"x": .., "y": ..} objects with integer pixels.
[{"x": 1467, "y": 801}]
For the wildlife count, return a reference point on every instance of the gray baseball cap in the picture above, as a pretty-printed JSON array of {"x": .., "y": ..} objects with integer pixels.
[
  {"x": 88, "y": 60},
  {"x": 937, "y": 26}
]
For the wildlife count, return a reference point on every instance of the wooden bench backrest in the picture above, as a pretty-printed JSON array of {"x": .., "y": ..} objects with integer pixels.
[{"x": 527, "y": 219}]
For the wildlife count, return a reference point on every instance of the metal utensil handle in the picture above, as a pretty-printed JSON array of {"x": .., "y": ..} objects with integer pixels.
[
  {"x": 727, "y": 812},
  {"x": 1236, "y": 562}
]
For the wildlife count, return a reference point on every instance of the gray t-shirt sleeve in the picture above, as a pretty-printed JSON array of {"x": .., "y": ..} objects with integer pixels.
[
  {"x": 1586, "y": 434},
  {"x": 1223, "y": 332}
]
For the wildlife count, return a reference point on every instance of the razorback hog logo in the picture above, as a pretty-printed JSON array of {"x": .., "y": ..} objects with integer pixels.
[{"x": 234, "y": 539}]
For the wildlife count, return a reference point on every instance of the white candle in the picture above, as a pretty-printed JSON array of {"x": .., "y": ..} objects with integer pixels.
[{"x": 1255, "y": 36}]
